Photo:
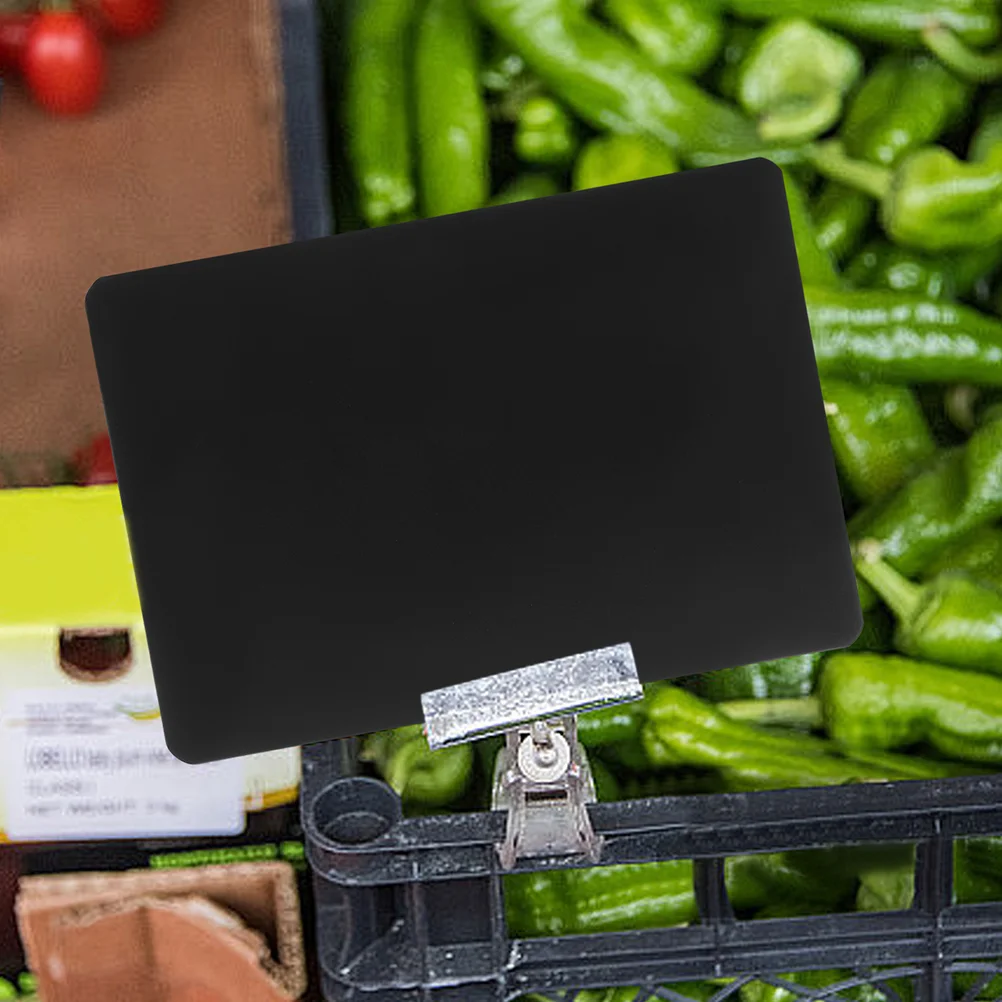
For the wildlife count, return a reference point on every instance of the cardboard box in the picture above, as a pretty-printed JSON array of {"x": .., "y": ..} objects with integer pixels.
[
  {"x": 208, "y": 934},
  {"x": 183, "y": 158}
]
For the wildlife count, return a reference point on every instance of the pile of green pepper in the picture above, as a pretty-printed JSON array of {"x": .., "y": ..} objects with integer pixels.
[{"x": 887, "y": 120}]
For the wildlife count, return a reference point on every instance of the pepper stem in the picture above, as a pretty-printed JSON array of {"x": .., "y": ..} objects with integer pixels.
[
  {"x": 803, "y": 713},
  {"x": 831, "y": 160},
  {"x": 959, "y": 402},
  {"x": 902, "y": 595},
  {"x": 955, "y": 55}
]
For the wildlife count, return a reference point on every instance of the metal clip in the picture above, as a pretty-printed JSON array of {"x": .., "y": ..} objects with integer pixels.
[
  {"x": 542, "y": 777},
  {"x": 543, "y": 780}
]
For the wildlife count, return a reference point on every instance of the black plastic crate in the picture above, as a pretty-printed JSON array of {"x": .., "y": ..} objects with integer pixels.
[
  {"x": 412, "y": 908},
  {"x": 305, "y": 127}
]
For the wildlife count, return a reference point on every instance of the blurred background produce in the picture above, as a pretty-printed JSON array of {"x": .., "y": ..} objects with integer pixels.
[
  {"x": 887, "y": 122},
  {"x": 57, "y": 47}
]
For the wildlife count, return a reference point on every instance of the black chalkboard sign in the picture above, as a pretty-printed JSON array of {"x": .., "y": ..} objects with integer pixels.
[{"x": 359, "y": 468}]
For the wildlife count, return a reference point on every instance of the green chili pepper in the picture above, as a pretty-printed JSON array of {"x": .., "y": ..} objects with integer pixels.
[
  {"x": 910, "y": 766},
  {"x": 817, "y": 267},
  {"x": 600, "y": 899},
  {"x": 807, "y": 713},
  {"x": 951, "y": 50},
  {"x": 656, "y": 895},
  {"x": 974, "y": 268},
  {"x": 452, "y": 129},
  {"x": 889, "y": 887},
  {"x": 544, "y": 133},
  {"x": 896, "y": 22},
  {"x": 794, "y": 78},
  {"x": 613, "y": 159},
  {"x": 932, "y": 200},
  {"x": 611, "y": 85},
  {"x": 899, "y": 338},
  {"x": 376, "y": 101},
  {"x": 617, "y": 726},
  {"x": 883, "y": 265},
  {"x": 781, "y": 678},
  {"x": 380, "y": 745},
  {"x": 953, "y": 618},
  {"x": 879, "y": 435},
  {"x": 907, "y": 101},
  {"x": 841, "y": 214},
  {"x": 977, "y": 869},
  {"x": 797, "y": 712},
  {"x": 683, "y": 728},
  {"x": 887, "y": 701},
  {"x": 738, "y": 39},
  {"x": 706, "y": 724},
  {"x": 680, "y": 35},
  {"x": 955, "y": 274},
  {"x": 610, "y": 725},
  {"x": 942, "y": 504},
  {"x": 434, "y": 778},
  {"x": 808, "y": 879},
  {"x": 419, "y": 775},
  {"x": 607, "y": 788},
  {"x": 526, "y": 186},
  {"x": 980, "y": 554}
]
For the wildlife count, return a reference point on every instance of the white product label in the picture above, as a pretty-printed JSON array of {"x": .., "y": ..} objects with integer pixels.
[{"x": 94, "y": 764}]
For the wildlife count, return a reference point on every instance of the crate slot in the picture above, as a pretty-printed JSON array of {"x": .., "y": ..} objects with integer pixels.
[{"x": 356, "y": 811}]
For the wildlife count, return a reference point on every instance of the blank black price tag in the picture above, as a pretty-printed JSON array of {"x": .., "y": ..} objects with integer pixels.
[{"x": 360, "y": 468}]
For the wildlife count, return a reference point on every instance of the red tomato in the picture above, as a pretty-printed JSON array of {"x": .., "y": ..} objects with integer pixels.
[
  {"x": 93, "y": 464},
  {"x": 64, "y": 63},
  {"x": 13, "y": 39},
  {"x": 128, "y": 18}
]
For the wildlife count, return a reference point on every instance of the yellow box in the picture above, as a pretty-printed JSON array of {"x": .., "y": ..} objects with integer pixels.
[{"x": 65, "y": 574}]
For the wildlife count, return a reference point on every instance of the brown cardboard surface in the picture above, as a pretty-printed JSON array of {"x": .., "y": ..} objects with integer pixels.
[
  {"x": 194, "y": 934},
  {"x": 184, "y": 158},
  {"x": 157, "y": 949}
]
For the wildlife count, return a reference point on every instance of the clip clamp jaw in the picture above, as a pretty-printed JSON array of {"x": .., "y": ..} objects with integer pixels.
[
  {"x": 541, "y": 776},
  {"x": 543, "y": 780}
]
